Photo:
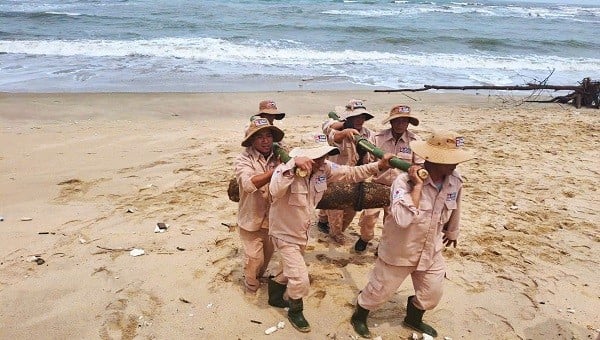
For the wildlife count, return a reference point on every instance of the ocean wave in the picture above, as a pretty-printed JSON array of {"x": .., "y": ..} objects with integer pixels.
[
  {"x": 293, "y": 54},
  {"x": 575, "y": 13},
  {"x": 44, "y": 15}
]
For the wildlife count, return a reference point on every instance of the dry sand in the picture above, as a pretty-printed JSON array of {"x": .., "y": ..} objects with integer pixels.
[{"x": 527, "y": 264}]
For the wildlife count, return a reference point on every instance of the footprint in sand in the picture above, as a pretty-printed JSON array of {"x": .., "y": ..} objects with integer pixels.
[{"x": 75, "y": 189}]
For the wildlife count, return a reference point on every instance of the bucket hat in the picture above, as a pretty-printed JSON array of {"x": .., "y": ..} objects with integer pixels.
[
  {"x": 443, "y": 147},
  {"x": 260, "y": 124},
  {"x": 400, "y": 111},
  {"x": 269, "y": 107},
  {"x": 316, "y": 146},
  {"x": 355, "y": 107}
]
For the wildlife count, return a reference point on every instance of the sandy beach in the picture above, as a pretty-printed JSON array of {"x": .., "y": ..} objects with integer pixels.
[{"x": 84, "y": 179}]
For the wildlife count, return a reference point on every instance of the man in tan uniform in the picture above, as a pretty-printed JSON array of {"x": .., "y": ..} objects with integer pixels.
[
  {"x": 424, "y": 215},
  {"x": 395, "y": 140},
  {"x": 341, "y": 135},
  {"x": 294, "y": 198},
  {"x": 253, "y": 170}
]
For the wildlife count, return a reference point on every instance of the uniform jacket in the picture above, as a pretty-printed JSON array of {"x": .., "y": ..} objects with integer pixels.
[
  {"x": 253, "y": 207},
  {"x": 413, "y": 236},
  {"x": 295, "y": 198}
]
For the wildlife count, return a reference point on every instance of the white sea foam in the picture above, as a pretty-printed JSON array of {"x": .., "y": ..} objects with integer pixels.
[{"x": 287, "y": 53}]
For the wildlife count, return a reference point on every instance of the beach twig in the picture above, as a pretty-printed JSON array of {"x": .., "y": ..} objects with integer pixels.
[{"x": 114, "y": 249}]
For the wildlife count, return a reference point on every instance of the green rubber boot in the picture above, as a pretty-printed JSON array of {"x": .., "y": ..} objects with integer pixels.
[
  {"x": 414, "y": 317},
  {"x": 276, "y": 291},
  {"x": 296, "y": 317},
  {"x": 359, "y": 321}
]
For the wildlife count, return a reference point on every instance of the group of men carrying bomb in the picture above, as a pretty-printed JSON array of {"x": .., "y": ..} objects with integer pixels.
[{"x": 278, "y": 202}]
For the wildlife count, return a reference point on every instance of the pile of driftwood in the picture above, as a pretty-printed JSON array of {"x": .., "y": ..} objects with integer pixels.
[{"x": 586, "y": 94}]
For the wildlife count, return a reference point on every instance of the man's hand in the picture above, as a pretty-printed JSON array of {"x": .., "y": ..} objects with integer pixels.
[
  {"x": 448, "y": 242},
  {"x": 304, "y": 163},
  {"x": 384, "y": 162},
  {"x": 413, "y": 174},
  {"x": 339, "y": 136}
]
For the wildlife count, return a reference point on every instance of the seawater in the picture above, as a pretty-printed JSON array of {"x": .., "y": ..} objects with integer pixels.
[{"x": 248, "y": 45}]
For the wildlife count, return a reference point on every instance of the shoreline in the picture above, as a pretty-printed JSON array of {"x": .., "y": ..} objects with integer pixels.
[{"x": 76, "y": 163}]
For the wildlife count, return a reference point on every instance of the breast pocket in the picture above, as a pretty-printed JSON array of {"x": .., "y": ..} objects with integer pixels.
[
  {"x": 320, "y": 189},
  {"x": 449, "y": 207},
  {"x": 298, "y": 195}
]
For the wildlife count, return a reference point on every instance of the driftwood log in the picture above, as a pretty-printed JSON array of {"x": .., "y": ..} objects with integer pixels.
[
  {"x": 364, "y": 195},
  {"x": 586, "y": 94}
]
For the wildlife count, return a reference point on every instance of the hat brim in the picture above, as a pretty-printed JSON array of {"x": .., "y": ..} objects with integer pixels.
[
  {"x": 271, "y": 112},
  {"x": 355, "y": 113},
  {"x": 439, "y": 155},
  {"x": 314, "y": 153},
  {"x": 277, "y": 135},
  {"x": 412, "y": 120}
]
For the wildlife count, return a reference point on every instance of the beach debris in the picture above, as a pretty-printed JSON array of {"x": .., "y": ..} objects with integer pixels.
[
  {"x": 513, "y": 207},
  {"x": 143, "y": 323},
  {"x": 447, "y": 338},
  {"x": 209, "y": 305},
  {"x": 256, "y": 321},
  {"x": 586, "y": 94},
  {"x": 137, "y": 252},
  {"x": 180, "y": 248},
  {"x": 427, "y": 336},
  {"x": 1, "y": 218},
  {"x": 271, "y": 330},
  {"x": 130, "y": 210},
  {"x": 24, "y": 219},
  {"x": 183, "y": 300},
  {"x": 161, "y": 227},
  {"x": 46, "y": 233},
  {"x": 82, "y": 240},
  {"x": 280, "y": 325},
  {"x": 570, "y": 310},
  {"x": 231, "y": 227},
  {"x": 377, "y": 337},
  {"x": 187, "y": 231},
  {"x": 36, "y": 259},
  {"x": 414, "y": 336}
]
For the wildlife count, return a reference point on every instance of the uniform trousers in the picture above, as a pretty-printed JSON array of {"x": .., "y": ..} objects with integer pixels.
[
  {"x": 385, "y": 279},
  {"x": 258, "y": 251},
  {"x": 293, "y": 271}
]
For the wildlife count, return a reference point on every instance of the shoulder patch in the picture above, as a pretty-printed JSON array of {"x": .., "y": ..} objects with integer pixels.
[{"x": 398, "y": 194}]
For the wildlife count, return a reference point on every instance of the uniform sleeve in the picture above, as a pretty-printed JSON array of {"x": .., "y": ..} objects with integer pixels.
[
  {"x": 344, "y": 173},
  {"x": 451, "y": 227},
  {"x": 402, "y": 207},
  {"x": 244, "y": 171},
  {"x": 326, "y": 126},
  {"x": 281, "y": 179}
]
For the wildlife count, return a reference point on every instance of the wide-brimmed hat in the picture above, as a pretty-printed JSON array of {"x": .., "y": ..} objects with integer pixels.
[
  {"x": 355, "y": 107},
  {"x": 443, "y": 147},
  {"x": 400, "y": 111},
  {"x": 316, "y": 146},
  {"x": 260, "y": 124},
  {"x": 269, "y": 107}
]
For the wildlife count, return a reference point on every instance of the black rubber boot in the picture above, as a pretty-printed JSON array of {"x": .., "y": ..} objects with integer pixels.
[
  {"x": 359, "y": 321},
  {"x": 360, "y": 245},
  {"x": 296, "y": 317},
  {"x": 323, "y": 227},
  {"x": 276, "y": 291},
  {"x": 414, "y": 317}
]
